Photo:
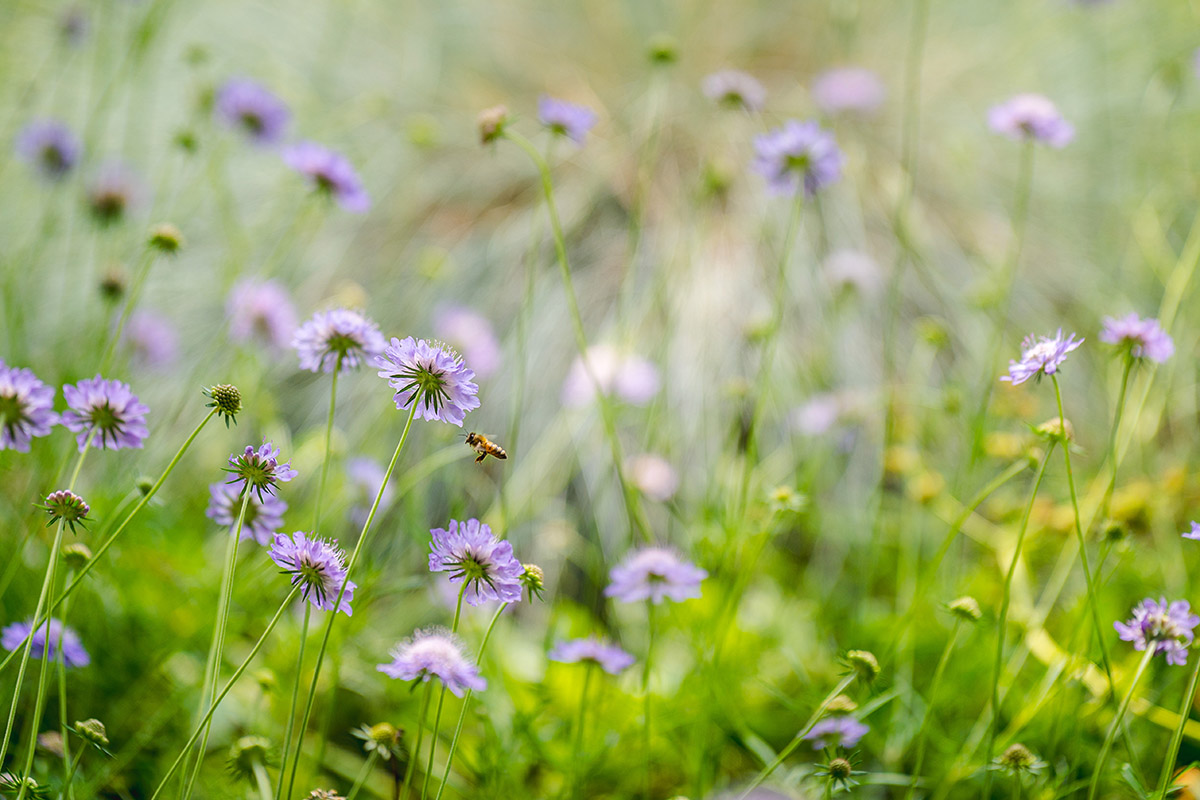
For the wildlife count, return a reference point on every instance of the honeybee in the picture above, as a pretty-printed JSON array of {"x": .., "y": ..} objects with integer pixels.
[{"x": 485, "y": 447}]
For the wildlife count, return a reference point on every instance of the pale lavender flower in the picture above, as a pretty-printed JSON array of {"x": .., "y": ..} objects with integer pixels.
[
  {"x": 853, "y": 89},
  {"x": 472, "y": 334},
  {"x": 631, "y": 377},
  {"x": 1031, "y": 117},
  {"x": 252, "y": 109},
  {"x": 114, "y": 190},
  {"x": 431, "y": 375},
  {"x": 49, "y": 146},
  {"x": 817, "y": 415},
  {"x": 566, "y": 119},
  {"x": 474, "y": 556},
  {"x": 1166, "y": 626},
  {"x": 152, "y": 338},
  {"x": 263, "y": 310},
  {"x": 1194, "y": 533},
  {"x": 330, "y": 173},
  {"x": 108, "y": 407},
  {"x": 654, "y": 573},
  {"x": 259, "y": 470},
  {"x": 852, "y": 269},
  {"x": 1145, "y": 338},
  {"x": 612, "y": 659},
  {"x": 1041, "y": 356},
  {"x": 16, "y": 634},
  {"x": 653, "y": 476},
  {"x": 340, "y": 336},
  {"x": 264, "y": 513},
  {"x": 317, "y": 566},
  {"x": 731, "y": 87},
  {"x": 837, "y": 731},
  {"x": 25, "y": 408},
  {"x": 798, "y": 155},
  {"x": 434, "y": 652}
]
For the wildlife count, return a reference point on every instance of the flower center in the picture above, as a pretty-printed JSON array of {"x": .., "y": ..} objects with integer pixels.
[
  {"x": 342, "y": 343},
  {"x": 799, "y": 162},
  {"x": 12, "y": 411},
  {"x": 428, "y": 386},
  {"x": 253, "y": 122}
]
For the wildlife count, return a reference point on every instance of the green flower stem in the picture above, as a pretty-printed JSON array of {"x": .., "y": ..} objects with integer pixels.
[
  {"x": 65, "y": 732},
  {"x": 462, "y": 714},
  {"x": 291, "y": 716},
  {"x": 1002, "y": 621},
  {"x": 216, "y": 649},
  {"x": 358, "y": 547},
  {"x": 1106, "y": 503},
  {"x": 135, "y": 293},
  {"x": 799, "y": 737},
  {"x": 646, "y": 693},
  {"x": 328, "y": 438},
  {"x": 86, "y": 568},
  {"x": 367, "y": 766},
  {"x": 263, "y": 781},
  {"x": 577, "y": 747},
  {"x": 38, "y": 620},
  {"x": 921, "y": 738},
  {"x": 633, "y": 506},
  {"x": 70, "y": 780},
  {"x": 1116, "y": 723},
  {"x": 415, "y": 753},
  {"x": 224, "y": 691},
  {"x": 437, "y": 716},
  {"x": 1185, "y": 710}
]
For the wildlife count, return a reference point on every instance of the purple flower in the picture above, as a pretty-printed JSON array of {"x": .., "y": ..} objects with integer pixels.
[
  {"x": 1042, "y": 356},
  {"x": 1031, "y": 117},
  {"x": 631, "y": 377},
  {"x": 1194, "y": 533},
  {"x": 253, "y": 109},
  {"x": 611, "y": 658},
  {"x": 330, "y": 174},
  {"x": 49, "y": 146},
  {"x": 565, "y": 119},
  {"x": 653, "y": 573},
  {"x": 317, "y": 567},
  {"x": 259, "y": 470},
  {"x": 799, "y": 154},
  {"x": 109, "y": 408},
  {"x": 1145, "y": 338},
  {"x": 434, "y": 652},
  {"x": 853, "y": 89},
  {"x": 74, "y": 655},
  {"x": 1167, "y": 627},
  {"x": 153, "y": 339},
  {"x": 114, "y": 190},
  {"x": 471, "y": 554},
  {"x": 431, "y": 375},
  {"x": 838, "y": 731},
  {"x": 261, "y": 309},
  {"x": 340, "y": 336},
  {"x": 472, "y": 334},
  {"x": 264, "y": 514},
  {"x": 25, "y": 408},
  {"x": 730, "y": 87}
]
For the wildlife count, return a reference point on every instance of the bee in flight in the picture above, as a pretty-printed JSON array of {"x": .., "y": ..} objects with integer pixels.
[{"x": 485, "y": 447}]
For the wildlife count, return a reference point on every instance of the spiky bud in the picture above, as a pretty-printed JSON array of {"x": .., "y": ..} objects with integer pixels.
[
  {"x": 226, "y": 399},
  {"x": 12, "y": 785},
  {"x": 1054, "y": 428},
  {"x": 1017, "y": 759},
  {"x": 92, "y": 730},
  {"x": 840, "y": 769},
  {"x": 966, "y": 609},
  {"x": 247, "y": 753},
  {"x": 864, "y": 663},
  {"x": 534, "y": 581},
  {"x": 165, "y": 238},
  {"x": 67, "y": 507},
  {"x": 491, "y": 123}
]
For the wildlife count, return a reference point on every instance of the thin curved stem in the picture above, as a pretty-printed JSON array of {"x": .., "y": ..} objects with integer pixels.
[
  {"x": 921, "y": 738},
  {"x": 135, "y": 292},
  {"x": 577, "y": 747},
  {"x": 361, "y": 778},
  {"x": 64, "y": 731},
  {"x": 291, "y": 717},
  {"x": 1185, "y": 710},
  {"x": 328, "y": 438},
  {"x": 415, "y": 753},
  {"x": 1106, "y": 504},
  {"x": 1105, "y": 748},
  {"x": 646, "y": 693},
  {"x": 437, "y": 716}
]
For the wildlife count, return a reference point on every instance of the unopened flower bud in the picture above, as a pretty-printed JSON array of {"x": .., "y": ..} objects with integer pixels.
[
  {"x": 1018, "y": 758},
  {"x": 226, "y": 399},
  {"x": 841, "y": 704},
  {"x": 534, "y": 581},
  {"x": 663, "y": 48},
  {"x": 864, "y": 663},
  {"x": 76, "y": 555},
  {"x": 67, "y": 507},
  {"x": 840, "y": 769},
  {"x": 491, "y": 123},
  {"x": 144, "y": 485},
  {"x": 165, "y": 238},
  {"x": 1053, "y": 428},
  {"x": 92, "y": 730},
  {"x": 247, "y": 753},
  {"x": 324, "y": 794},
  {"x": 966, "y": 609},
  {"x": 113, "y": 284}
]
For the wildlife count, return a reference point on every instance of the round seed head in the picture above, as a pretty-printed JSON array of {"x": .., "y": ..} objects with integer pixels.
[
  {"x": 226, "y": 399},
  {"x": 840, "y": 769}
]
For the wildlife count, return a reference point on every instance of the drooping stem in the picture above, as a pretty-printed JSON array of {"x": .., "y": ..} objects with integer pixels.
[
  {"x": 415, "y": 753},
  {"x": 437, "y": 716},
  {"x": 921, "y": 738},
  {"x": 328, "y": 438},
  {"x": 1105, "y": 748},
  {"x": 291, "y": 717},
  {"x": 1185, "y": 710}
]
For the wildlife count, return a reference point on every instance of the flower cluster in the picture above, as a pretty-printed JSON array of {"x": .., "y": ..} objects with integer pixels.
[
  {"x": 66, "y": 506},
  {"x": 609, "y": 657},
  {"x": 1031, "y": 117},
  {"x": 259, "y": 470},
  {"x": 1143, "y": 338},
  {"x": 15, "y": 636},
  {"x": 330, "y": 174},
  {"x": 263, "y": 310},
  {"x": 1167, "y": 627},
  {"x": 566, "y": 119},
  {"x": 630, "y": 377},
  {"x": 264, "y": 513},
  {"x": 848, "y": 89},
  {"x": 836, "y": 731},
  {"x": 735, "y": 89},
  {"x": 25, "y": 408},
  {"x": 49, "y": 146},
  {"x": 251, "y": 108}
]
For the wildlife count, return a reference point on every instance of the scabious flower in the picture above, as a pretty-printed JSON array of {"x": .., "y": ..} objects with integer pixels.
[
  {"x": 66, "y": 506},
  {"x": 1031, "y": 117},
  {"x": 1168, "y": 627},
  {"x": 1194, "y": 533},
  {"x": 251, "y": 108},
  {"x": 259, "y": 469},
  {"x": 612, "y": 659},
  {"x": 472, "y": 334},
  {"x": 1019, "y": 759},
  {"x": 630, "y": 377},
  {"x": 1144, "y": 338},
  {"x": 74, "y": 655},
  {"x": 114, "y": 190},
  {"x": 473, "y": 555},
  {"x": 653, "y": 476},
  {"x": 110, "y": 408},
  {"x": 382, "y": 739},
  {"x": 565, "y": 119},
  {"x": 838, "y": 731},
  {"x": 799, "y": 155},
  {"x": 654, "y": 573},
  {"x": 316, "y": 566},
  {"x": 431, "y": 375},
  {"x": 330, "y": 173},
  {"x": 434, "y": 652},
  {"x": 25, "y": 408},
  {"x": 152, "y": 338},
  {"x": 1042, "y": 356},
  {"x": 49, "y": 146},
  {"x": 263, "y": 310},
  {"x": 340, "y": 336},
  {"x": 853, "y": 89},
  {"x": 731, "y": 87},
  {"x": 264, "y": 514}
]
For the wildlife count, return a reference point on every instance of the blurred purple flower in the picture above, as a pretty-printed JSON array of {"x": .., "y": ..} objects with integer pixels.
[
  {"x": 654, "y": 573},
  {"x": 261, "y": 309},
  {"x": 632, "y": 378},
  {"x": 338, "y": 334},
  {"x": 852, "y": 269},
  {"x": 612, "y": 659},
  {"x": 110, "y": 408},
  {"x": 251, "y": 108},
  {"x": 472, "y": 555},
  {"x": 1194, "y": 533},
  {"x": 566, "y": 119},
  {"x": 853, "y": 89},
  {"x": 1167, "y": 627},
  {"x": 731, "y": 87},
  {"x": 798, "y": 155},
  {"x": 837, "y": 731},
  {"x": 16, "y": 634},
  {"x": 152, "y": 338},
  {"x": 431, "y": 375},
  {"x": 1042, "y": 356},
  {"x": 49, "y": 146},
  {"x": 317, "y": 567},
  {"x": 653, "y": 476},
  {"x": 472, "y": 334},
  {"x": 264, "y": 514},
  {"x": 114, "y": 190},
  {"x": 1031, "y": 117},
  {"x": 434, "y": 652},
  {"x": 1145, "y": 338},
  {"x": 818, "y": 415},
  {"x": 26, "y": 408},
  {"x": 330, "y": 173},
  {"x": 259, "y": 470}
]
